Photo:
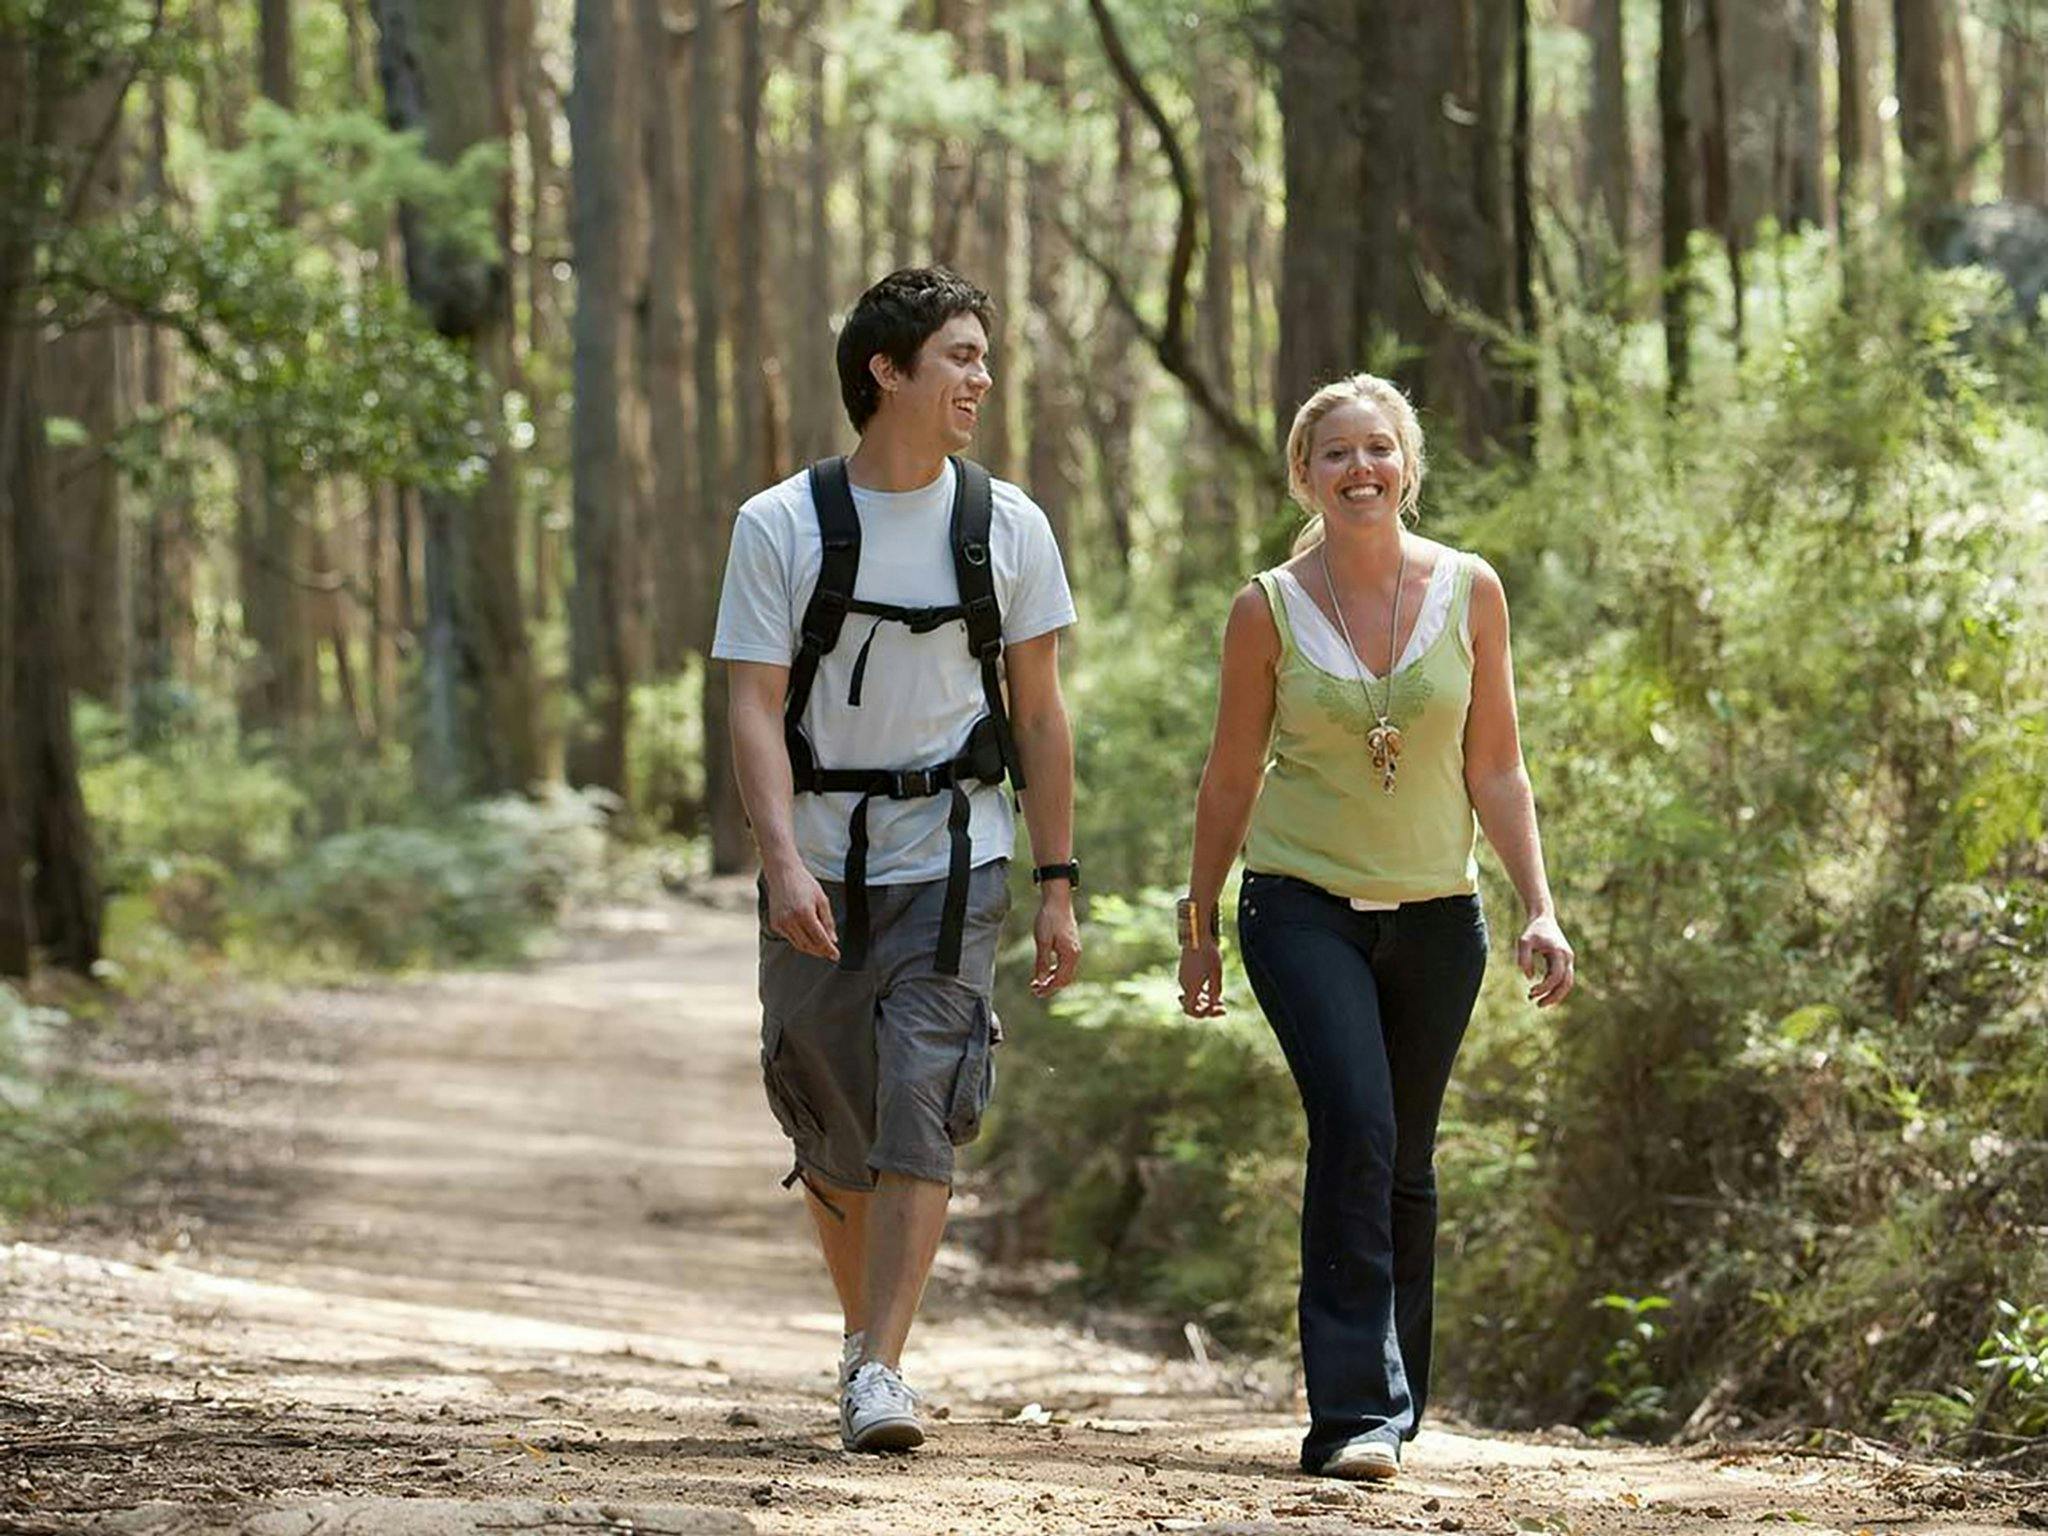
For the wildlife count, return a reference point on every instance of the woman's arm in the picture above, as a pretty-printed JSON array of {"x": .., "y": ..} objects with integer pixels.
[
  {"x": 1230, "y": 786},
  {"x": 1498, "y": 785}
]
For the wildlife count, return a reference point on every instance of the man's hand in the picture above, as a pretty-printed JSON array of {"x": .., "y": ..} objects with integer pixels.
[
  {"x": 800, "y": 911},
  {"x": 1059, "y": 939}
]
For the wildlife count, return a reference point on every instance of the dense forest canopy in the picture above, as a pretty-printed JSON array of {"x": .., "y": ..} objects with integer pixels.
[{"x": 378, "y": 380}]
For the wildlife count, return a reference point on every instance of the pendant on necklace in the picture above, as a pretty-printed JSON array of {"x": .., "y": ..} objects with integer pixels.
[{"x": 1383, "y": 741}]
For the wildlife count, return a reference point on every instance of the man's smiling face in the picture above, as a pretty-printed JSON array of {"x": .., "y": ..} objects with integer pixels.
[{"x": 942, "y": 393}]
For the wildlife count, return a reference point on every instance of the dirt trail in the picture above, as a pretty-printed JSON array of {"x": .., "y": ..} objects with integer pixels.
[{"x": 505, "y": 1251}]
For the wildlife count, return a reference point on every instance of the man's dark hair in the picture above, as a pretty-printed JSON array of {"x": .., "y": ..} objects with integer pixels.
[{"x": 895, "y": 318}]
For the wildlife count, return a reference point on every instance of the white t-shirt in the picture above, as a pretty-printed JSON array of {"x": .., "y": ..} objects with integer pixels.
[{"x": 920, "y": 694}]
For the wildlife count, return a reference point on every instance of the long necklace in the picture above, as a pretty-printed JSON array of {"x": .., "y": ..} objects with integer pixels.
[{"x": 1383, "y": 741}]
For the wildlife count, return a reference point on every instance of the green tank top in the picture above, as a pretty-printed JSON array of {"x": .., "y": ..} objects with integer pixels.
[{"x": 1321, "y": 815}]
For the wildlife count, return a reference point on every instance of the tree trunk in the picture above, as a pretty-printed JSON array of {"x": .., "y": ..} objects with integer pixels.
[
  {"x": 1112, "y": 381},
  {"x": 64, "y": 897},
  {"x": 1675, "y": 137},
  {"x": 1439, "y": 116},
  {"x": 18, "y": 140},
  {"x": 1721, "y": 207},
  {"x": 679, "y": 582},
  {"x": 1852, "y": 143},
  {"x": 729, "y": 846},
  {"x": 814, "y": 393},
  {"x": 281, "y": 687},
  {"x": 1962, "y": 100},
  {"x": 995, "y": 197},
  {"x": 1211, "y": 503},
  {"x": 2023, "y": 110},
  {"x": 1522, "y": 217},
  {"x": 87, "y": 381},
  {"x": 597, "y": 747},
  {"x": 1053, "y": 475},
  {"x": 1926, "y": 126},
  {"x": 955, "y": 183},
  {"x": 1802, "y": 133},
  {"x": 481, "y": 701},
  {"x": 1323, "y": 282},
  {"x": 164, "y": 619},
  {"x": 751, "y": 349},
  {"x": 1610, "y": 159}
]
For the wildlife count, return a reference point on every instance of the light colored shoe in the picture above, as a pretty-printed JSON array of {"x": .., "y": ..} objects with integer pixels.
[
  {"x": 878, "y": 1412},
  {"x": 1363, "y": 1460}
]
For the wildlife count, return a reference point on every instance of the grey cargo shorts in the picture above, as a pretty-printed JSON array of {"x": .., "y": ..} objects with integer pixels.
[{"x": 886, "y": 1069}]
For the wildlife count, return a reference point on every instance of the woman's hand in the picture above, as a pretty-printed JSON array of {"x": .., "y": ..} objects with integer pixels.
[
  {"x": 1201, "y": 980},
  {"x": 1546, "y": 958}
]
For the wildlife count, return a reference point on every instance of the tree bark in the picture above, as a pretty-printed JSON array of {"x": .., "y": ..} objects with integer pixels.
[
  {"x": 813, "y": 379},
  {"x": 1211, "y": 504},
  {"x": 87, "y": 381},
  {"x": 1926, "y": 126},
  {"x": 1802, "y": 132},
  {"x": 995, "y": 236},
  {"x": 1721, "y": 208},
  {"x": 1852, "y": 144},
  {"x": 1053, "y": 475},
  {"x": 729, "y": 852},
  {"x": 481, "y": 699},
  {"x": 1423, "y": 140},
  {"x": 18, "y": 139},
  {"x": 546, "y": 238},
  {"x": 1610, "y": 161},
  {"x": 679, "y": 582},
  {"x": 1675, "y": 137},
  {"x": 597, "y": 747},
  {"x": 164, "y": 620},
  {"x": 64, "y": 897},
  {"x": 1112, "y": 383},
  {"x": 1961, "y": 87},
  {"x": 2023, "y": 112},
  {"x": 281, "y": 684},
  {"x": 1323, "y": 281}
]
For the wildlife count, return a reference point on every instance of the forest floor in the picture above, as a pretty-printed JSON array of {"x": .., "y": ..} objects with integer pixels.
[{"x": 506, "y": 1251}]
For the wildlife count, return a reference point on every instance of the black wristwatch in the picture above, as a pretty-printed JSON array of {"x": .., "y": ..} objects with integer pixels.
[{"x": 1069, "y": 872}]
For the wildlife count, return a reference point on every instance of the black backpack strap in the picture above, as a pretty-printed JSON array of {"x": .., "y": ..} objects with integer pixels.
[
  {"x": 825, "y": 614},
  {"x": 973, "y": 569}
]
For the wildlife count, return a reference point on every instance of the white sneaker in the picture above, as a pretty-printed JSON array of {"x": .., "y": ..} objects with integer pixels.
[
  {"x": 1363, "y": 1461},
  {"x": 877, "y": 1412}
]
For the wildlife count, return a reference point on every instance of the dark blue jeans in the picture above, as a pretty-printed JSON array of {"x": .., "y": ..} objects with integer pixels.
[{"x": 1370, "y": 1008}]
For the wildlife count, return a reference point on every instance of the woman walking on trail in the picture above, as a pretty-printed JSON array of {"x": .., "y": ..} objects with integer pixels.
[{"x": 1366, "y": 716}]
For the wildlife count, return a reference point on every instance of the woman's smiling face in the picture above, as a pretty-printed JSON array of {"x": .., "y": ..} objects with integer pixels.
[{"x": 1356, "y": 470}]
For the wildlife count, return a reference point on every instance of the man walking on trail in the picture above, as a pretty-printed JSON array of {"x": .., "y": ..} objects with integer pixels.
[{"x": 892, "y": 623}]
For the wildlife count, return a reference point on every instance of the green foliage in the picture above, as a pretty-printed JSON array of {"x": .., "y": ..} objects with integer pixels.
[
  {"x": 1162, "y": 1154},
  {"x": 2016, "y": 1355},
  {"x": 1143, "y": 697},
  {"x": 348, "y": 175},
  {"x": 330, "y": 376},
  {"x": 470, "y": 888},
  {"x": 1628, "y": 1373},
  {"x": 64, "y": 1137},
  {"x": 316, "y": 844},
  {"x": 665, "y": 749}
]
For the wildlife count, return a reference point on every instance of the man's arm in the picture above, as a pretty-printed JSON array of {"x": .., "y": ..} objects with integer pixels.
[
  {"x": 798, "y": 908},
  {"x": 1045, "y": 750}
]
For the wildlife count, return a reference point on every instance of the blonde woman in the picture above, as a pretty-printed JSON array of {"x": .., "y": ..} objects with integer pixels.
[{"x": 1366, "y": 720}]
